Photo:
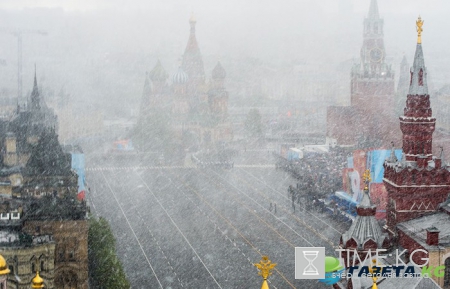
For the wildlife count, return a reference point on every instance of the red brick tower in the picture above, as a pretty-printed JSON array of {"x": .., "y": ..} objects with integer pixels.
[
  {"x": 418, "y": 183},
  {"x": 372, "y": 94},
  {"x": 372, "y": 79}
]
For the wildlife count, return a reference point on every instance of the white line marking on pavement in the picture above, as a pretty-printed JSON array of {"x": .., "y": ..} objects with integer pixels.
[
  {"x": 176, "y": 226},
  {"x": 132, "y": 230}
]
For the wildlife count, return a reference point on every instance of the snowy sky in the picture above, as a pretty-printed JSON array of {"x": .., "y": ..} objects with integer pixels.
[
  {"x": 327, "y": 5},
  {"x": 129, "y": 36}
]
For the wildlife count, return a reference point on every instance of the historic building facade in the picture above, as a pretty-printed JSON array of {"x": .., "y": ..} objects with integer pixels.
[
  {"x": 198, "y": 109},
  {"x": 43, "y": 225},
  {"x": 418, "y": 187},
  {"x": 372, "y": 94},
  {"x": 419, "y": 182}
]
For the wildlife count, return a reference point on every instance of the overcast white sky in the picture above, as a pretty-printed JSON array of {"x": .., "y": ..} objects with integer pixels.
[
  {"x": 125, "y": 38},
  {"x": 328, "y": 5}
]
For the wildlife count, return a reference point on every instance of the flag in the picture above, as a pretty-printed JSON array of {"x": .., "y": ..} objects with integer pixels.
[{"x": 81, "y": 195}]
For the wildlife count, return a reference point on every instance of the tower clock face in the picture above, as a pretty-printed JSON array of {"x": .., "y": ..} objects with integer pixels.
[{"x": 376, "y": 55}]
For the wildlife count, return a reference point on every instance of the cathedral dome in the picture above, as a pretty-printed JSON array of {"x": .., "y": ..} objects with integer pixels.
[
  {"x": 180, "y": 76},
  {"x": 3, "y": 268},
  {"x": 218, "y": 72},
  {"x": 37, "y": 281},
  {"x": 158, "y": 73}
]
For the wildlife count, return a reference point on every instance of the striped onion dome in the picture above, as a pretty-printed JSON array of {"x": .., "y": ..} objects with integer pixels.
[{"x": 180, "y": 76}]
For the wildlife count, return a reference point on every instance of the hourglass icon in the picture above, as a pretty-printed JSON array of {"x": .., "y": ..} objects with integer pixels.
[{"x": 310, "y": 269}]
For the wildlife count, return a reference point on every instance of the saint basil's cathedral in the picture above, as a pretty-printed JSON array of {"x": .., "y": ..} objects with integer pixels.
[{"x": 198, "y": 110}]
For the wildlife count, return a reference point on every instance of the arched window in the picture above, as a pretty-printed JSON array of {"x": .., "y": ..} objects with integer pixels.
[{"x": 447, "y": 273}]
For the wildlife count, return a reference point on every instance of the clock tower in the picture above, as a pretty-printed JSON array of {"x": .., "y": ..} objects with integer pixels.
[
  {"x": 372, "y": 51},
  {"x": 372, "y": 84},
  {"x": 372, "y": 94}
]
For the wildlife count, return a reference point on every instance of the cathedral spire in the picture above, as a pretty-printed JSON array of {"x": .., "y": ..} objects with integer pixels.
[
  {"x": 35, "y": 80},
  {"x": 373, "y": 11},
  {"x": 35, "y": 101}
]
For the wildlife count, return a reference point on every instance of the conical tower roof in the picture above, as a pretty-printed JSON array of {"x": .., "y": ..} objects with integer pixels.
[
  {"x": 35, "y": 99},
  {"x": 146, "y": 93},
  {"x": 418, "y": 84},
  {"x": 218, "y": 72},
  {"x": 373, "y": 10},
  {"x": 365, "y": 227},
  {"x": 192, "y": 62},
  {"x": 158, "y": 73}
]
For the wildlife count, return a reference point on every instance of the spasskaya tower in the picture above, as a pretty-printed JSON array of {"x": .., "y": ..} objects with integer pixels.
[{"x": 372, "y": 80}]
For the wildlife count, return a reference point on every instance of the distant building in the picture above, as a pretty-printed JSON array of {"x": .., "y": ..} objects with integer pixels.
[
  {"x": 198, "y": 109},
  {"x": 43, "y": 224},
  {"x": 418, "y": 193},
  {"x": 372, "y": 94}
]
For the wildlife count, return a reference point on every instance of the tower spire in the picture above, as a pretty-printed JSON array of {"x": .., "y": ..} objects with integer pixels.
[
  {"x": 418, "y": 84},
  {"x": 35, "y": 80},
  {"x": 192, "y": 22},
  {"x": 192, "y": 62},
  {"x": 35, "y": 101},
  {"x": 373, "y": 10}
]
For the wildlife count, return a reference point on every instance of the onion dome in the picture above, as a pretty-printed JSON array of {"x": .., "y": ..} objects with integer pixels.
[
  {"x": 37, "y": 281},
  {"x": 180, "y": 76},
  {"x": 3, "y": 267},
  {"x": 218, "y": 72},
  {"x": 158, "y": 73}
]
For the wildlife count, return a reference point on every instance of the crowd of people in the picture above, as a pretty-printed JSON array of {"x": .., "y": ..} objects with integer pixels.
[{"x": 317, "y": 175}]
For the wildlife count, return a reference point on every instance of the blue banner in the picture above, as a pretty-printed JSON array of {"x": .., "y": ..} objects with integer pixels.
[
  {"x": 375, "y": 160},
  {"x": 78, "y": 166}
]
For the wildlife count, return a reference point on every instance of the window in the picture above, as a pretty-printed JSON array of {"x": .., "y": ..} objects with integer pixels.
[
  {"x": 447, "y": 273},
  {"x": 42, "y": 266},
  {"x": 61, "y": 256},
  {"x": 421, "y": 77},
  {"x": 71, "y": 255},
  {"x": 33, "y": 267}
]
